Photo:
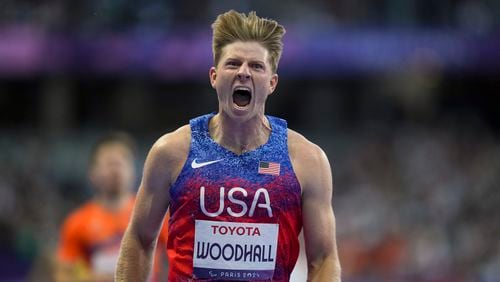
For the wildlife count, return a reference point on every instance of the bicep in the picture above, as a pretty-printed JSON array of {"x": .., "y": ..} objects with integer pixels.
[
  {"x": 318, "y": 216},
  {"x": 152, "y": 198}
]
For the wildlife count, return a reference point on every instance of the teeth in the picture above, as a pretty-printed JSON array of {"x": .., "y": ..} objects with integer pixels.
[{"x": 242, "y": 88}]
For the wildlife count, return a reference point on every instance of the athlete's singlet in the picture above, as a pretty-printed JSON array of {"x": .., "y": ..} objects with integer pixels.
[
  {"x": 234, "y": 217},
  {"x": 91, "y": 235}
]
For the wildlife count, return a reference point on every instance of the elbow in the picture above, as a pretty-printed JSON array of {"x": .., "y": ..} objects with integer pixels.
[
  {"x": 146, "y": 240},
  {"x": 325, "y": 269},
  {"x": 337, "y": 271}
]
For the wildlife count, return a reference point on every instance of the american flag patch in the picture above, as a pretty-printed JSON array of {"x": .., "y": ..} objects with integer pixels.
[{"x": 269, "y": 168}]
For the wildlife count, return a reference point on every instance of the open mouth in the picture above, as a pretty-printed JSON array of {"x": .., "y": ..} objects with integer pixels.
[{"x": 242, "y": 97}]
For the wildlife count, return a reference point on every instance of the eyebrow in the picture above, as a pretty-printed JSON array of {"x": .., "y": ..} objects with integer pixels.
[{"x": 240, "y": 59}]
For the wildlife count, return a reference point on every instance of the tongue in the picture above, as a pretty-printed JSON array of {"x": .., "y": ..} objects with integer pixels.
[{"x": 241, "y": 98}]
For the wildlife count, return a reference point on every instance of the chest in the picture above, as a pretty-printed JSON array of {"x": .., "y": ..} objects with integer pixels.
[
  {"x": 101, "y": 228},
  {"x": 246, "y": 187}
]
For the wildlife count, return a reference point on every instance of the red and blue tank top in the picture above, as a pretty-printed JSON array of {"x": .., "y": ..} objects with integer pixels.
[{"x": 234, "y": 217}]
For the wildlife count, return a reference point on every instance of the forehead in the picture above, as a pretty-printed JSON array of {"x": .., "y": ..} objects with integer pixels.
[
  {"x": 245, "y": 50},
  {"x": 108, "y": 150}
]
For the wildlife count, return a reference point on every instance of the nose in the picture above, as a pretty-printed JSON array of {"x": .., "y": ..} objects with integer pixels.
[{"x": 244, "y": 72}]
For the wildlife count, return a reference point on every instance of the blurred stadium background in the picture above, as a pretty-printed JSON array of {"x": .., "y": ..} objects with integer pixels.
[{"x": 403, "y": 95}]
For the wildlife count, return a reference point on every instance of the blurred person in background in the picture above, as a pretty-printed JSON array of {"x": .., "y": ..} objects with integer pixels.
[
  {"x": 91, "y": 235},
  {"x": 228, "y": 180}
]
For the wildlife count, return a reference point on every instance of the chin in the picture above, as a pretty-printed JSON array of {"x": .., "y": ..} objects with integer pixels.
[{"x": 241, "y": 113}]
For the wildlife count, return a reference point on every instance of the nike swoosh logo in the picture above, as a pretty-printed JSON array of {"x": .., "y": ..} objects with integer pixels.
[{"x": 194, "y": 164}]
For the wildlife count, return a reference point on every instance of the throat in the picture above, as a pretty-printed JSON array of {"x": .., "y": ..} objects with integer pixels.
[
  {"x": 113, "y": 202},
  {"x": 240, "y": 149},
  {"x": 239, "y": 138}
]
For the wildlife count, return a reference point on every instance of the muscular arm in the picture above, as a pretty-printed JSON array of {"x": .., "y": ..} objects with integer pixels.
[
  {"x": 162, "y": 166},
  {"x": 313, "y": 170}
]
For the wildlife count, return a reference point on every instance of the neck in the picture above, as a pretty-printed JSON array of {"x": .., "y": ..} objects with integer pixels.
[
  {"x": 239, "y": 136},
  {"x": 112, "y": 201}
]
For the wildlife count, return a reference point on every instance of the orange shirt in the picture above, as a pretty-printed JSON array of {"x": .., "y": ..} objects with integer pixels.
[{"x": 92, "y": 235}]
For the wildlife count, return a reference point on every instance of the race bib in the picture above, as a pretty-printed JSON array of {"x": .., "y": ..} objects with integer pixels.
[
  {"x": 104, "y": 261},
  {"x": 234, "y": 250}
]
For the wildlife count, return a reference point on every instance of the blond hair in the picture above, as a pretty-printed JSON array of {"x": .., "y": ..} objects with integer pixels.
[{"x": 233, "y": 26}]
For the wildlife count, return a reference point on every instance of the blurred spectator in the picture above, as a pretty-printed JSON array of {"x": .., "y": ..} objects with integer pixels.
[
  {"x": 91, "y": 235},
  {"x": 423, "y": 219}
]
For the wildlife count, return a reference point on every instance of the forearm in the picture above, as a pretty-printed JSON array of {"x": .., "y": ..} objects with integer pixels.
[
  {"x": 134, "y": 262},
  {"x": 327, "y": 269}
]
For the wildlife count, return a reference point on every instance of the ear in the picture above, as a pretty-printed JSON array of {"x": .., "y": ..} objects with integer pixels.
[
  {"x": 273, "y": 83},
  {"x": 212, "y": 73}
]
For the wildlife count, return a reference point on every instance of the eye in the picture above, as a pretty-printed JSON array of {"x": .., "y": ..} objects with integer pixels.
[
  {"x": 232, "y": 63},
  {"x": 258, "y": 66}
]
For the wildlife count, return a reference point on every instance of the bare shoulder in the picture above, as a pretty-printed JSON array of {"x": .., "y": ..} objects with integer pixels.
[
  {"x": 309, "y": 161},
  {"x": 170, "y": 151},
  {"x": 173, "y": 143},
  {"x": 303, "y": 150}
]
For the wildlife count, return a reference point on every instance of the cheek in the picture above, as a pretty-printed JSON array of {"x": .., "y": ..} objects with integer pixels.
[
  {"x": 223, "y": 91},
  {"x": 99, "y": 179},
  {"x": 129, "y": 173},
  {"x": 263, "y": 91}
]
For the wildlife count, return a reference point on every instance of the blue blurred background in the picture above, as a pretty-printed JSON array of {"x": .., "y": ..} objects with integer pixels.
[{"x": 402, "y": 95}]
